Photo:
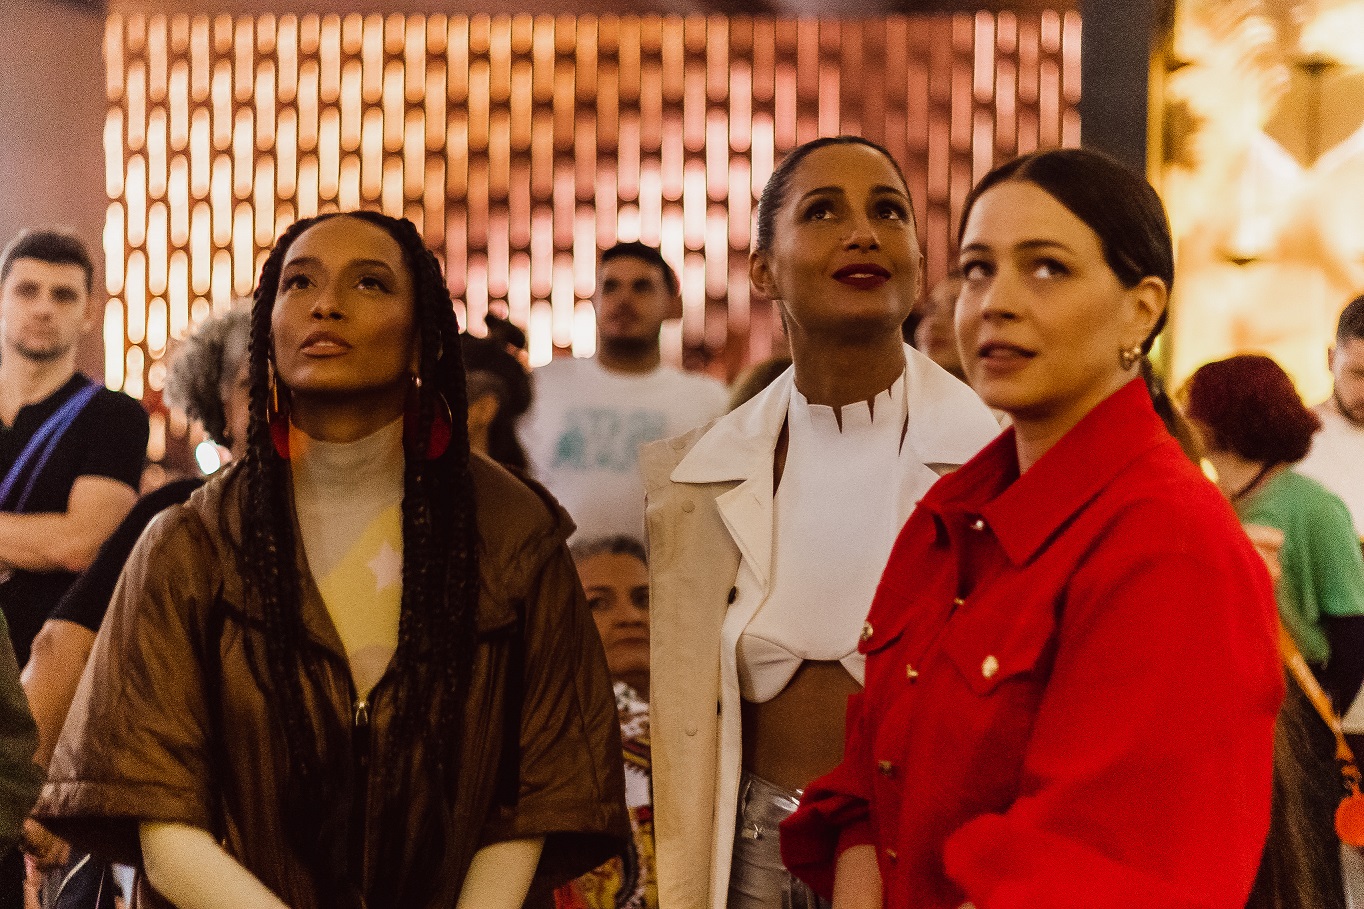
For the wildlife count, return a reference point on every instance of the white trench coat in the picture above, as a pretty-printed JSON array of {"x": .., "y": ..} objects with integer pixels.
[{"x": 709, "y": 518}]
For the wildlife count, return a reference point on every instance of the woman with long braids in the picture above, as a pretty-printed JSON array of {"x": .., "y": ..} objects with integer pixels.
[{"x": 357, "y": 669}]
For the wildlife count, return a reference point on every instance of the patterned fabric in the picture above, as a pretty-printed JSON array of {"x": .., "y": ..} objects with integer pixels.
[{"x": 625, "y": 882}]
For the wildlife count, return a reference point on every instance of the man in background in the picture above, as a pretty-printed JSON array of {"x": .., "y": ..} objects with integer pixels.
[
  {"x": 71, "y": 454},
  {"x": 1336, "y": 460},
  {"x": 589, "y": 417}
]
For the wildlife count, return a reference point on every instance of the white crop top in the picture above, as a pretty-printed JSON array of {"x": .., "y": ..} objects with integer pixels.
[{"x": 835, "y": 520}]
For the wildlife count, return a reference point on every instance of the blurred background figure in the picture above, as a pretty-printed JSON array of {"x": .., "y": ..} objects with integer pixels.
[
  {"x": 755, "y": 378},
  {"x": 615, "y": 575},
  {"x": 936, "y": 335},
  {"x": 499, "y": 393},
  {"x": 508, "y": 335},
  {"x": 1256, "y": 428},
  {"x": 208, "y": 381},
  {"x": 590, "y": 416},
  {"x": 1336, "y": 460}
]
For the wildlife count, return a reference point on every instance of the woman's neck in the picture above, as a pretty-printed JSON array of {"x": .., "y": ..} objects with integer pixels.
[
  {"x": 1036, "y": 431},
  {"x": 1238, "y": 477},
  {"x": 836, "y": 374},
  {"x": 344, "y": 417}
]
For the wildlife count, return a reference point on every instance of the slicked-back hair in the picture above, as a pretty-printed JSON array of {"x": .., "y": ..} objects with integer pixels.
[
  {"x": 430, "y": 669},
  {"x": 54, "y": 247},
  {"x": 1121, "y": 208},
  {"x": 633, "y": 249},
  {"x": 1351, "y": 323},
  {"x": 779, "y": 184}
]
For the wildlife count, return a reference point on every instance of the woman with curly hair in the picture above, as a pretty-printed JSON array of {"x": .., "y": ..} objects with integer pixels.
[
  {"x": 1256, "y": 428},
  {"x": 356, "y": 669}
]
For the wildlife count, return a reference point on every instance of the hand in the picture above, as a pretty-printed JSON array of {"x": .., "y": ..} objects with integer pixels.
[
  {"x": 1268, "y": 541},
  {"x": 46, "y": 850}
]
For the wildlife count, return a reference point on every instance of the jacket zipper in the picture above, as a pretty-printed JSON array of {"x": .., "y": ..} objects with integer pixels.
[{"x": 360, "y": 742}]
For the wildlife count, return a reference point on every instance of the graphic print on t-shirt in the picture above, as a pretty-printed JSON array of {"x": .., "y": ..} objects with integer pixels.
[
  {"x": 363, "y": 595},
  {"x": 604, "y": 438}
]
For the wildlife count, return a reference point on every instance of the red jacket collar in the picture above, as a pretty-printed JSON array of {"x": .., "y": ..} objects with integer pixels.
[{"x": 1024, "y": 512}]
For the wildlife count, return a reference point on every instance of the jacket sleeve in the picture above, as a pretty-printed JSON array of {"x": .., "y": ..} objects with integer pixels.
[
  {"x": 19, "y": 776},
  {"x": 834, "y": 813},
  {"x": 134, "y": 747},
  {"x": 572, "y": 770},
  {"x": 1146, "y": 782}
]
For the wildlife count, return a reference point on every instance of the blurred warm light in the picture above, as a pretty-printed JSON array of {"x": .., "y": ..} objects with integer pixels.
[
  {"x": 136, "y": 296},
  {"x": 132, "y": 378},
  {"x": 521, "y": 145},
  {"x": 1263, "y": 176},
  {"x": 113, "y": 249},
  {"x": 584, "y": 329},
  {"x": 114, "y": 341},
  {"x": 538, "y": 333},
  {"x": 157, "y": 328}
]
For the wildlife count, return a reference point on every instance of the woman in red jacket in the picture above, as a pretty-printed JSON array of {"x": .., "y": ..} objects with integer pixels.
[{"x": 1071, "y": 665}]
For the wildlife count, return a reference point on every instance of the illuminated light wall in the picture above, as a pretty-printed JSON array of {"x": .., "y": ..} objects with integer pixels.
[
  {"x": 1262, "y": 169},
  {"x": 520, "y": 145}
]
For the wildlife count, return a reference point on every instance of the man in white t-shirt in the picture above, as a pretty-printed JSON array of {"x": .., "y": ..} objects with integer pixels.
[
  {"x": 1336, "y": 460},
  {"x": 589, "y": 417}
]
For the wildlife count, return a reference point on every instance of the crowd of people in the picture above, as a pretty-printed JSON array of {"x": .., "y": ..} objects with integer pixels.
[{"x": 986, "y": 620}]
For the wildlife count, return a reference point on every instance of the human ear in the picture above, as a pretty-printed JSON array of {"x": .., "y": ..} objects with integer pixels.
[
  {"x": 760, "y": 275},
  {"x": 1146, "y": 302}
]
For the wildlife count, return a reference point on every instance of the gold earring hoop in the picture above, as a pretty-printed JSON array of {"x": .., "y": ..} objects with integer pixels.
[{"x": 1128, "y": 356}]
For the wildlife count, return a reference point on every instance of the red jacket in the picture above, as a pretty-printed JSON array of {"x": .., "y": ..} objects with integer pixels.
[{"x": 1072, "y": 680}]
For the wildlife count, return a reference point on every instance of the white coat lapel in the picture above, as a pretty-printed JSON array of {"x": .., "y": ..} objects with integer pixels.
[
  {"x": 740, "y": 447},
  {"x": 747, "y": 512}
]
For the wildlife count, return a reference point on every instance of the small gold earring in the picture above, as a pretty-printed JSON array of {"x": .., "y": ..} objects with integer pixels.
[{"x": 1128, "y": 356}]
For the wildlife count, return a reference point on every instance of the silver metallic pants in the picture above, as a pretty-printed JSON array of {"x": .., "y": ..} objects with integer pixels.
[{"x": 757, "y": 878}]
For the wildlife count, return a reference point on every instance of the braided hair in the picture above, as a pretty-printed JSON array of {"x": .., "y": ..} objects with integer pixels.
[{"x": 436, "y": 628}]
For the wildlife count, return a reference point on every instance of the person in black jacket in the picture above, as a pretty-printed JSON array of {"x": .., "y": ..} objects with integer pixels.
[{"x": 207, "y": 380}]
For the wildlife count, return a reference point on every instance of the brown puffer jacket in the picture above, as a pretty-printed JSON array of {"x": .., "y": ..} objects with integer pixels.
[{"x": 153, "y": 736}]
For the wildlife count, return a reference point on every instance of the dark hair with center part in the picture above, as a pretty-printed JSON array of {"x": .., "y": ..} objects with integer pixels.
[
  {"x": 1248, "y": 406},
  {"x": 440, "y": 584},
  {"x": 1120, "y": 207},
  {"x": 632, "y": 249},
  {"x": 779, "y": 184},
  {"x": 51, "y": 246}
]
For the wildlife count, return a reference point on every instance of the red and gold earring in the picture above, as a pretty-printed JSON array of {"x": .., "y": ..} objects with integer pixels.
[
  {"x": 442, "y": 423},
  {"x": 277, "y": 417}
]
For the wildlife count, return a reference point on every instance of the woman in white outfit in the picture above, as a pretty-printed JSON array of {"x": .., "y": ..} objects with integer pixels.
[{"x": 769, "y": 528}]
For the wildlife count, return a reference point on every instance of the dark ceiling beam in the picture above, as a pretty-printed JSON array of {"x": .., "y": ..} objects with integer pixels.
[{"x": 1115, "y": 72}]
